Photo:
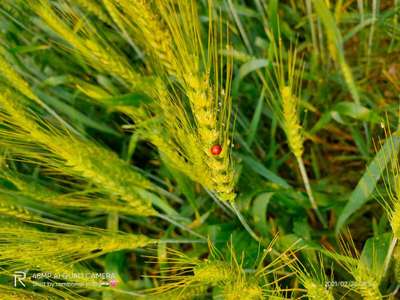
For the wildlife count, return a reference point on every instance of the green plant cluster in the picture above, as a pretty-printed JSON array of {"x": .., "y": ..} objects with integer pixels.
[{"x": 199, "y": 149}]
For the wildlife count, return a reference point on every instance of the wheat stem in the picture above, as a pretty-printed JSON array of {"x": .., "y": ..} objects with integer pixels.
[
  {"x": 360, "y": 6},
  {"x": 112, "y": 226},
  {"x": 101, "y": 56},
  {"x": 309, "y": 191},
  {"x": 170, "y": 220},
  {"x": 371, "y": 35},
  {"x": 312, "y": 26},
  {"x": 94, "y": 8},
  {"x": 389, "y": 254},
  {"x": 245, "y": 224},
  {"x": 293, "y": 130}
]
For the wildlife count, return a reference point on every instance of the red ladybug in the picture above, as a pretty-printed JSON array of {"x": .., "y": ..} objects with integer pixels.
[{"x": 216, "y": 149}]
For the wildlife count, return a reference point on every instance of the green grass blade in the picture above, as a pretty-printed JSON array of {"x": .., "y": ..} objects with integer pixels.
[{"x": 361, "y": 194}]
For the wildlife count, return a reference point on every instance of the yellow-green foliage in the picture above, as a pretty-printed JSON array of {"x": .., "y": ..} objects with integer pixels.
[
  {"x": 86, "y": 42},
  {"x": 7, "y": 292},
  {"x": 367, "y": 283},
  {"x": 85, "y": 199},
  {"x": 149, "y": 31},
  {"x": 228, "y": 279},
  {"x": 170, "y": 33},
  {"x": 185, "y": 293},
  {"x": 9, "y": 73},
  {"x": 212, "y": 272},
  {"x": 69, "y": 154},
  {"x": 191, "y": 273},
  {"x": 24, "y": 244},
  {"x": 393, "y": 205},
  {"x": 9, "y": 207},
  {"x": 313, "y": 279},
  {"x": 317, "y": 291},
  {"x": 25, "y": 248},
  {"x": 18, "y": 294},
  {"x": 395, "y": 218},
  {"x": 367, "y": 278},
  {"x": 208, "y": 95},
  {"x": 335, "y": 45},
  {"x": 242, "y": 289},
  {"x": 205, "y": 273},
  {"x": 94, "y": 8},
  {"x": 163, "y": 70},
  {"x": 284, "y": 96}
]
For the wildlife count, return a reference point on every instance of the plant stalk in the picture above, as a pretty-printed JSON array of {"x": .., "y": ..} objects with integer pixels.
[
  {"x": 389, "y": 254},
  {"x": 245, "y": 225},
  {"x": 112, "y": 225},
  {"x": 309, "y": 192}
]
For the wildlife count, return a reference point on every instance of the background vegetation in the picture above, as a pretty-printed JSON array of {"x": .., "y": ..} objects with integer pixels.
[{"x": 200, "y": 149}]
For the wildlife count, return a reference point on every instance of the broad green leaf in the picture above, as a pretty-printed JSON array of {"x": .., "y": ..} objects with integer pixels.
[
  {"x": 356, "y": 111},
  {"x": 74, "y": 114},
  {"x": 133, "y": 140},
  {"x": 273, "y": 14},
  {"x": 264, "y": 172},
  {"x": 158, "y": 202},
  {"x": 245, "y": 247},
  {"x": 324, "y": 120},
  {"x": 335, "y": 39},
  {"x": 358, "y": 139},
  {"x": 368, "y": 181},
  {"x": 57, "y": 80},
  {"x": 246, "y": 69},
  {"x": 255, "y": 121},
  {"x": 374, "y": 252},
  {"x": 251, "y": 66},
  {"x": 259, "y": 211},
  {"x": 28, "y": 49},
  {"x": 134, "y": 99}
]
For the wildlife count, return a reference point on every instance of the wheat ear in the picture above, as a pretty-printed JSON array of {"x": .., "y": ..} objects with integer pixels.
[
  {"x": 9, "y": 207},
  {"x": 94, "y": 8},
  {"x": 48, "y": 293},
  {"x": 243, "y": 288},
  {"x": 81, "y": 158},
  {"x": 295, "y": 139},
  {"x": 100, "y": 56},
  {"x": 366, "y": 276},
  {"x": 76, "y": 200},
  {"x": 392, "y": 185},
  {"x": 25, "y": 243},
  {"x": 313, "y": 279},
  {"x": 367, "y": 286},
  {"x": 8, "y": 293},
  {"x": 163, "y": 32},
  {"x": 391, "y": 201},
  {"x": 291, "y": 122},
  {"x": 288, "y": 86},
  {"x": 209, "y": 103},
  {"x": 316, "y": 291},
  {"x": 151, "y": 33},
  {"x": 12, "y": 76},
  {"x": 184, "y": 293}
]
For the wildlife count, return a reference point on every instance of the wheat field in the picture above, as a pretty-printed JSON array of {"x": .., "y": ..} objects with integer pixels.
[{"x": 199, "y": 149}]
